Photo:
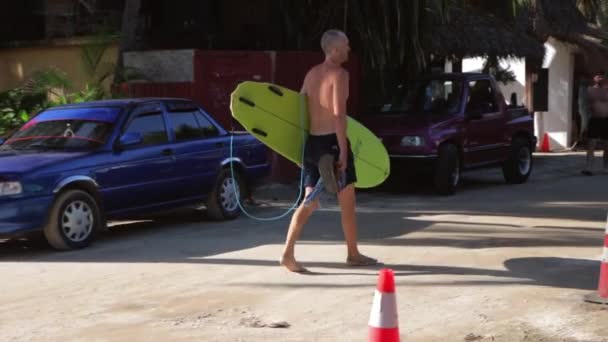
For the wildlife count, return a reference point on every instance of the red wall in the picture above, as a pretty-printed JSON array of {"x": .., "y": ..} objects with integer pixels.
[{"x": 217, "y": 73}]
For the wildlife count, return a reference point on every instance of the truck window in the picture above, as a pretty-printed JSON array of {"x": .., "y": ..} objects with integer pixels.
[
  {"x": 481, "y": 97},
  {"x": 428, "y": 96}
]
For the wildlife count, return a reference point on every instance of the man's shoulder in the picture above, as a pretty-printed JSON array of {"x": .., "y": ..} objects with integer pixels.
[
  {"x": 315, "y": 67},
  {"x": 338, "y": 73},
  {"x": 312, "y": 71},
  {"x": 323, "y": 71}
]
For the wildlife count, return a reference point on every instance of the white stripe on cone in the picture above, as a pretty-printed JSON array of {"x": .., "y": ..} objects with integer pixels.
[{"x": 384, "y": 311}]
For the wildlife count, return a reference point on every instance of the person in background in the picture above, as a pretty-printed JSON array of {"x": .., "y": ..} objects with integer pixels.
[{"x": 597, "y": 127}]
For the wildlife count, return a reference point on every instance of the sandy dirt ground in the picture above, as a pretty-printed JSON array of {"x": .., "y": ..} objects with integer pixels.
[{"x": 495, "y": 262}]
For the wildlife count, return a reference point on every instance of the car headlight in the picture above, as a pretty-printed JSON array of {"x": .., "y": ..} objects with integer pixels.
[
  {"x": 10, "y": 188},
  {"x": 412, "y": 141}
]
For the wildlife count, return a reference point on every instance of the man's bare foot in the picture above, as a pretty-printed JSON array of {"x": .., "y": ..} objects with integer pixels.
[
  {"x": 361, "y": 260},
  {"x": 292, "y": 265}
]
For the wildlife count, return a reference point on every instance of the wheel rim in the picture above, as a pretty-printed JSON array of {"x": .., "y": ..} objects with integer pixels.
[
  {"x": 455, "y": 176},
  {"x": 228, "y": 197},
  {"x": 524, "y": 161},
  {"x": 77, "y": 221}
]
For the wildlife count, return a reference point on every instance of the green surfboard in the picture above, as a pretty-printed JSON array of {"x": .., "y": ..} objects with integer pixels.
[{"x": 278, "y": 117}]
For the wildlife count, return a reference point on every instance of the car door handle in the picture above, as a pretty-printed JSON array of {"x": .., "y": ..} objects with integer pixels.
[
  {"x": 167, "y": 151},
  {"x": 219, "y": 144}
]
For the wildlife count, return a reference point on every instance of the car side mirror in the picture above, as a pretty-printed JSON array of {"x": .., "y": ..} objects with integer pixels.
[
  {"x": 2, "y": 141},
  {"x": 130, "y": 139}
]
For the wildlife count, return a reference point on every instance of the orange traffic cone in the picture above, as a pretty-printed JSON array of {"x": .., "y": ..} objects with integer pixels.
[
  {"x": 545, "y": 146},
  {"x": 383, "y": 320},
  {"x": 601, "y": 296}
]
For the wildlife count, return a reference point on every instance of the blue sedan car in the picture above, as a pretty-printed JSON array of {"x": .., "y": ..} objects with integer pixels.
[{"x": 71, "y": 168}]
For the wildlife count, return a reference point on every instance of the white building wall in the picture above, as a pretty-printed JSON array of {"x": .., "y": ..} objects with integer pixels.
[
  {"x": 557, "y": 122},
  {"x": 518, "y": 67}
]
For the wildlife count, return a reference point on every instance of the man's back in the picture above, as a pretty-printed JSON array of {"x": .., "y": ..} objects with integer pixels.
[{"x": 319, "y": 86}]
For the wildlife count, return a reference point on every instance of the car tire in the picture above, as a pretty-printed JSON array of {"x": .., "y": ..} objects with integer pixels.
[
  {"x": 221, "y": 204},
  {"x": 73, "y": 221},
  {"x": 447, "y": 170},
  {"x": 518, "y": 167}
]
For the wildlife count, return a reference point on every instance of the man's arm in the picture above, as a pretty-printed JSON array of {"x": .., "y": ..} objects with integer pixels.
[
  {"x": 303, "y": 90},
  {"x": 340, "y": 96}
]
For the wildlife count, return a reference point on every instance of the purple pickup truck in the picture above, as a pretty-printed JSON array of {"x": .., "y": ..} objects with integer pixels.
[{"x": 448, "y": 123}]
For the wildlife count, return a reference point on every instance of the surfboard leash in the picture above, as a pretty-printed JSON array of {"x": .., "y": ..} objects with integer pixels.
[{"x": 236, "y": 192}]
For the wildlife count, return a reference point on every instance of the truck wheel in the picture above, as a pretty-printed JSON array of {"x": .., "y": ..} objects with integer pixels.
[
  {"x": 73, "y": 221},
  {"x": 222, "y": 203},
  {"x": 518, "y": 166},
  {"x": 447, "y": 171}
]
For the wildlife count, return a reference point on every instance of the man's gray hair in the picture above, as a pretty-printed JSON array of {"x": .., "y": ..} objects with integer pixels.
[{"x": 329, "y": 37}]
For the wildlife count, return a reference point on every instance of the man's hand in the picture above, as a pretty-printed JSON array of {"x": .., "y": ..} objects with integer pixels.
[{"x": 343, "y": 161}]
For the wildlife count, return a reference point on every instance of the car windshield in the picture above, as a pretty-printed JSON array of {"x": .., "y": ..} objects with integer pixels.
[
  {"x": 65, "y": 129},
  {"x": 434, "y": 96}
]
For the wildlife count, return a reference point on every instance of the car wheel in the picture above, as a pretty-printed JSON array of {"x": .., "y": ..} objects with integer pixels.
[
  {"x": 447, "y": 171},
  {"x": 518, "y": 167},
  {"x": 73, "y": 221},
  {"x": 222, "y": 203}
]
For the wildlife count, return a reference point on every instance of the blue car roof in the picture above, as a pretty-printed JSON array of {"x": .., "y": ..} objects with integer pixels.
[{"x": 121, "y": 102}]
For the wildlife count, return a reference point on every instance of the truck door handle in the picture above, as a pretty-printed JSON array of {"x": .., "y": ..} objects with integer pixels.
[{"x": 167, "y": 151}]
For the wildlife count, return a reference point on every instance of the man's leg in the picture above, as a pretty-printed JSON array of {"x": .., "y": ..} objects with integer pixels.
[
  {"x": 347, "y": 200},
  {"x": 590, "y": 156},
  {"x": 298, "y": 220}
]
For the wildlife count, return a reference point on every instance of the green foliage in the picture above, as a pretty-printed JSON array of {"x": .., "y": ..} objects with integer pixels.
[
  {"x": 51, "y": 87},
  {"x": 89, "y": 93},
  {"x": 44, "y": 89},
  {"x": 15, "y": 107},
  {"x": 98, "y": 71},
  {"x": 9, "y": 119}
]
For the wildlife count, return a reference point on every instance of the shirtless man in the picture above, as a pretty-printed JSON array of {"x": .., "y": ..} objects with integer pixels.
[
  {"x": 598, "y": 123},
  {"x": 326, "y": 89}
]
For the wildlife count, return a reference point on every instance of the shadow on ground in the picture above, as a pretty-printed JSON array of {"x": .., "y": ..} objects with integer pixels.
[
  {"x": 385, "y": 219},
  {"x": 539, "y": 271}
]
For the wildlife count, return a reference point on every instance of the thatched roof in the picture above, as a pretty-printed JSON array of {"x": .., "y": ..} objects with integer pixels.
[
  {"x": 562, "y": 20},
  {"x": 470, "y": 32}
]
